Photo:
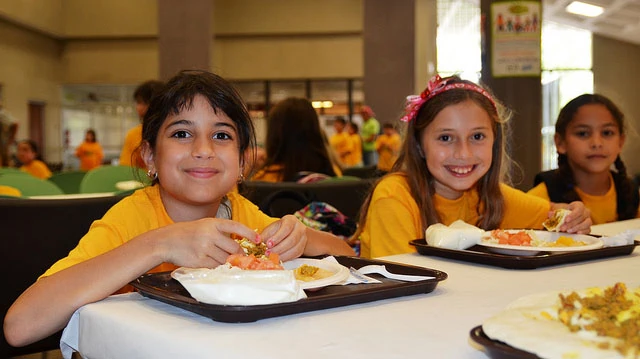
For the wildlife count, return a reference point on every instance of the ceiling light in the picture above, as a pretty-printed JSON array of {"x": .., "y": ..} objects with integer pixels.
[
  {"x": 327, "y": 104},
  {"x": 584, "y": 9},
  {"x": 316, "y": 104}
]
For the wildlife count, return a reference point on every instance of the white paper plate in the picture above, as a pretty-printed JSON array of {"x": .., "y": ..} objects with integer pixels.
[
  {"x": 591, "y": 243},
  {"x": 341, "y": 273}
]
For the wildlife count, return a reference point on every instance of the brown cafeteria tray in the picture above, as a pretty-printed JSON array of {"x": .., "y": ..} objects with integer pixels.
[
  {"x": 484, "y": 255},
  {"x": 162, "y": 287},
  {"x": 496, "y": 349}
]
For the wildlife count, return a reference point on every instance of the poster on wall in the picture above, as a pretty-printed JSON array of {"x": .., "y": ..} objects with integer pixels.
[{"x": 516, "y": 33}]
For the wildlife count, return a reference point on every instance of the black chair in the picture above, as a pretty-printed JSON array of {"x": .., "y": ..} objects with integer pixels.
[
  {"x": 363, "y": 172},
  {"x": 36, "y": 233},
  {"x": 280, "y": 198}
]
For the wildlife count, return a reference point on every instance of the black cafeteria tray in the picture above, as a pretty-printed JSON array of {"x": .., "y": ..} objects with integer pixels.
[
  {"x": 483, "y": 255},
  {"x": 496, "y": 349},
  {"x": 162, "y": 287}
]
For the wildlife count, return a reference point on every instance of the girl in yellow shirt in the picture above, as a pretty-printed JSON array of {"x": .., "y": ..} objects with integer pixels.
[
  {"x": 388, "y": 147},
  {"x": 31, "y": 160},
  {"x": 194, "y": 136},
  {"x": 295, "y": 143},
  {"x": 451, "y": 167},
  {"x": 590, "y": 133},
  {"x": 89, "y": 152}
]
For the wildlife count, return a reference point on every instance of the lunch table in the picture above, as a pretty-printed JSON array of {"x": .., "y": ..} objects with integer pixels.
[{"x": 431, "y": 325}]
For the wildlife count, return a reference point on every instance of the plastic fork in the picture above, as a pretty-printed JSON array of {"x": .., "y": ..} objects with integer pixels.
[{"x": 382, "y": 270}]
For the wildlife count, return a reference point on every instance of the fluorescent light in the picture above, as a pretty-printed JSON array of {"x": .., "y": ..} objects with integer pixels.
[
  {"x": 584, "y": 9},
  {"x": 322, "y": 104}
]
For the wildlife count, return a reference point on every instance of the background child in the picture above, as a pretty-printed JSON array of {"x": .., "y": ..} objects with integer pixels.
[
  {"x": 388, "y": 146},
  {"x": 340, "y": 141},
  {"x": 355, "y": 157},
  {"x": 295, "y": 143},
  {"x": 590, "y": 133},
  {"x": 195, "y": 135},
  {"x": 130, "y": 154},
  {"x": 31, "y": 160},
  {"x": 89, "y": 152},
  {"x": 452, "y": 166}
]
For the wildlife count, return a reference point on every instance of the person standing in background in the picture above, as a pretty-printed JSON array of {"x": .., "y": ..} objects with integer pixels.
[
  {"x": 388, "y": 146},
  {"x": 89, "y": 152},
  {"x": 355, "y": 157},
  {"x": 369, "y": 132},
  {"x": 341, "y": 141},
  {"x": 130, "y": 154},
  {"x": 31, "y": 160}
]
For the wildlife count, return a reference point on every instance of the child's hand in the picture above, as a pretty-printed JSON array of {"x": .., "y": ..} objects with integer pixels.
[
  {"x": 202, "y": 243},
  {"x": 286, "y": 237},
  {"x": 578, "y": 221}
]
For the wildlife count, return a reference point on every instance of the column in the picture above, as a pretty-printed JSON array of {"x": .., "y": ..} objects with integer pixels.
[
  {"x": 389, "y": 56},
  {"x": 523, "y": 95},
  {"x": 185, "y": 34}
]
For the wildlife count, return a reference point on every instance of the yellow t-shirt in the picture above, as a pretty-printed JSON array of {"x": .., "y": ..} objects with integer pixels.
[
  {"x": 355, "y": 157},
  {"x": 393, "y": 218},
  {"x": 37, "y": 168},
  {"x": 131, "y": 149},
  {"x": 139, "y": 213},
  {"x": 342, "y": 145},
  {"x": 388, "y": 148},
  {"x": 273, "y": 173},
  {"x": 603, "y": 208},
  {"x": 90, "y": 155},
  {"x": 10, "y": 191}
]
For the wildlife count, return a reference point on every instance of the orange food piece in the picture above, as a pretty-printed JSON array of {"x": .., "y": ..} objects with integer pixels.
[
  {"x": 520, "y": 238},
  {"x": 251, "y": 262}
]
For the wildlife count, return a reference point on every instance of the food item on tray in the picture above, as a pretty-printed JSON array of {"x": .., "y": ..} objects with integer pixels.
[
  {"x": 252, "y": 262},
  {"x": 229, "y": 285},
  {"x": 592, "y": 323},
  {"x": 514, "y": 238},
  {"x": 458, "y": 235},
  {"x": 527, "y": 238},
  {"x": 250, "y": 247},
  {"x": 557, "y": 219},
  {"x": 307, "y": 273}
]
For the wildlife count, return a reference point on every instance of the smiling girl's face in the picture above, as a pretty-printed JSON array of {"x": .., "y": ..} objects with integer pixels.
[
  {"x": 196, "y": 156},
  {"x": 457, "y": 146}
]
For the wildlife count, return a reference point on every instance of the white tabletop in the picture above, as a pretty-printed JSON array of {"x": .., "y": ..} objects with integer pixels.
[{"x": 433, "y": 325}]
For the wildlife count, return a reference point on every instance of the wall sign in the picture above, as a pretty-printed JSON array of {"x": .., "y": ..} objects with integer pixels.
[{"x": 516, "y": 38}]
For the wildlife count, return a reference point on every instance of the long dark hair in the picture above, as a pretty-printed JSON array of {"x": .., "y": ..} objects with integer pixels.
[
  {"x": 178, "y": 94},
  {"x": 412, "y": 165},
  {"x": 295, "y": 139},
  {"x": 564, "y": 174}
]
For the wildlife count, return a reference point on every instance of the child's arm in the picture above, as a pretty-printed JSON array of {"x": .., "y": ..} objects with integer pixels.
[
  {"x": 319, "y": 243},
  {"x": 47, "y": 305},
  {"x": 578, "y": 221},
  {"x": 290, "y": 239}
]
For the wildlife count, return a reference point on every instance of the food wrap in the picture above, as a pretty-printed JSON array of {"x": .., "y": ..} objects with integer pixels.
[
  {"x": 458, "y": 235},
  {"x": 228, "y": 285}
]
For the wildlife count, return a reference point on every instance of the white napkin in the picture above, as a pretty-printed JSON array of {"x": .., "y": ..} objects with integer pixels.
[
  {"x": 621, "y": 239},
  {"x": 458, "y": 235}
]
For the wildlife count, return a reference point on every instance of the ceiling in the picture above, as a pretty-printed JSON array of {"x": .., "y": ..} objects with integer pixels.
[{"x": 620, "y": 20}]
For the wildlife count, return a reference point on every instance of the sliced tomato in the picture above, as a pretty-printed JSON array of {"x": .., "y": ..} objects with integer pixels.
[{"x": 252, "y": 263}]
